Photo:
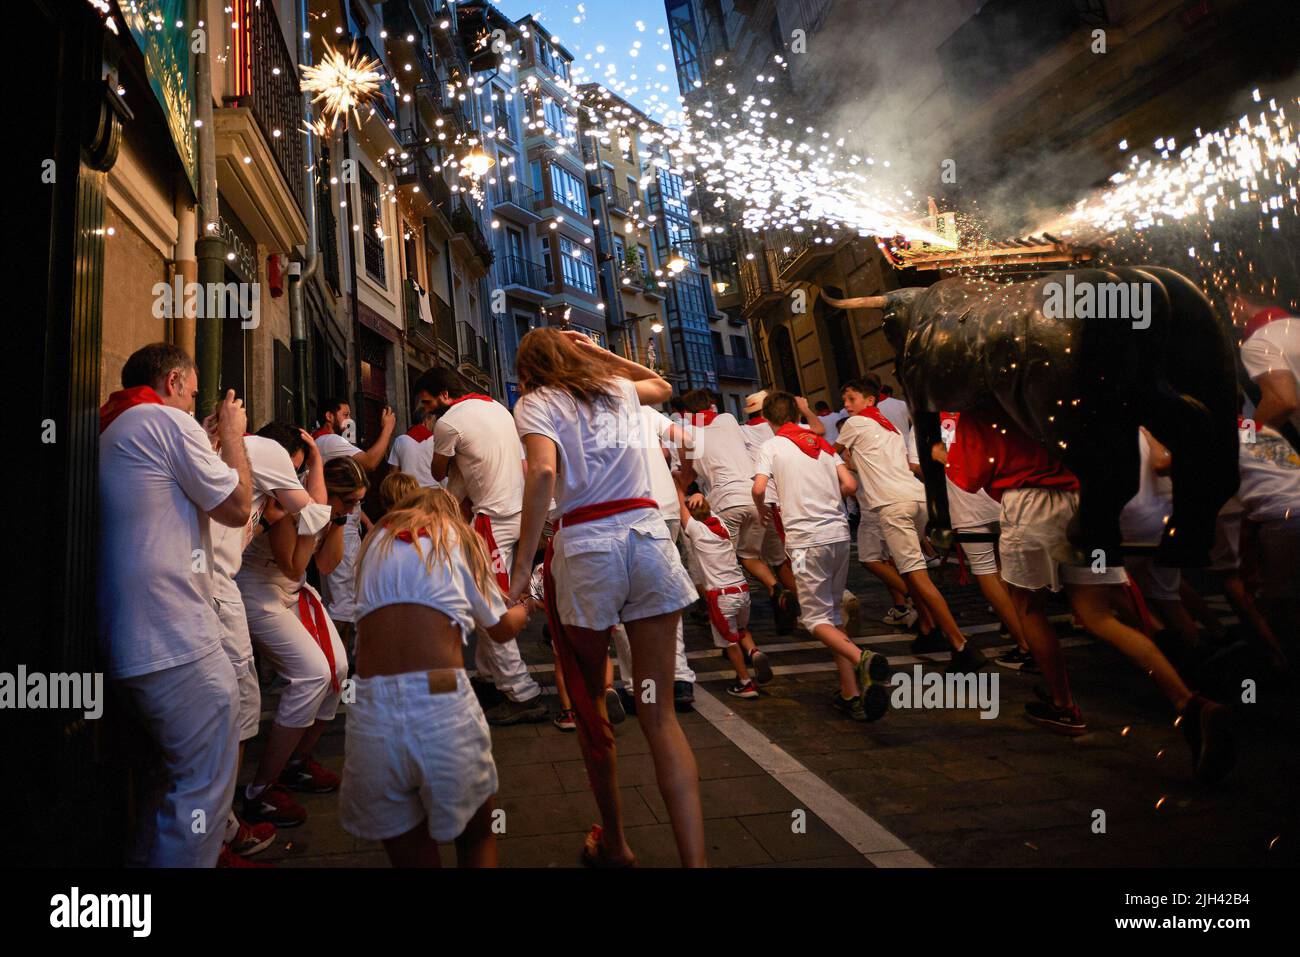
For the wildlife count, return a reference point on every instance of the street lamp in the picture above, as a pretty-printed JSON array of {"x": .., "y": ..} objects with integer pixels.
[
  {"x": 476, "y": 163},
  {"x": 657, "y": 327}
]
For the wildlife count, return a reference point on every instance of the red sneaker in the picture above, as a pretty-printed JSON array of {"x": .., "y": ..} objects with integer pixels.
[
  {"x": 229, "y": 858},
  {"x": 309, "y": 777},
  {"x": 273, "y": 806},
  {"x": 252, "y": 838}
]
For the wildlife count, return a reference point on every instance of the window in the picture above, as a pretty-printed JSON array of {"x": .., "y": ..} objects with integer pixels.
[
  {"x": 548, "y": 266},
  {"x": 578, "y": 266},
  {"x": 686, "y": 46},
  {"x": 568, "y": 190},
  {"x": 740, "y": 346},
  {"x": 634, "y": 187},
  {"x": 372, "y": 228},
  {"x": 620, "y": 251},
  {"x": 557, "y": 121},
  {"x": 501, "y": 116},
  {"x": 536, "y": 168},
  {"x": 718, "y": 350},
  {"x": 644, "y": 255}
]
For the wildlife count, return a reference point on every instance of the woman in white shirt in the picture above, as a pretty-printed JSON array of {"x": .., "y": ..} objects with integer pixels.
[
  {"x": 611, "y": 560},
  {"x": 418, "y": 765}
]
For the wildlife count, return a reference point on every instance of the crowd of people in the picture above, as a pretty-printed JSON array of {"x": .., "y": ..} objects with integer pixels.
[{"x": 610, "y": 519}]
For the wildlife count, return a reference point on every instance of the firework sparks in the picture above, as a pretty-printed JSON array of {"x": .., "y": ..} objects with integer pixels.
[{"x": 342, "y": 84}]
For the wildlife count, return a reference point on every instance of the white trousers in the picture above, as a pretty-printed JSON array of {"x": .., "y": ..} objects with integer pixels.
[{"x": 502, "y": 663}]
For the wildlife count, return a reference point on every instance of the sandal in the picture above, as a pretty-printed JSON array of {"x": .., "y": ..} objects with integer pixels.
[{"x": 593, "y": 856}]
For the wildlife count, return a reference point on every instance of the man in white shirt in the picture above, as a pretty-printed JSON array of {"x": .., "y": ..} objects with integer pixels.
[
  {"x": 334, "y": 439},
  {"x": 877, "y": 451},
  {"x": 478, "y": 434},
  {"x": 160, "y": 483},
  {"x": 895, "y": 410},
  {"x": 812, "y": 480},
  {"x": 828, "y": 419},
  {"x": 413, "y": 452},
  {"x": 1270, "y": 351}
]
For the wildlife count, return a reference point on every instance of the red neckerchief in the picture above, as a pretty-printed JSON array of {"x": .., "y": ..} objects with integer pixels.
[
  {"x": 716, "y": 527},
  {"x": 419, "y": 432},
  {"x": 1263, "y": 318},
  {"x": 703, "y": 419},
  {"x": 323, "y": 431},
  {"x": 875, "y": 415},
  {"x": 407, "y": 537},
  {"x": 757, "y": 420},
  {"x": 472, "y": 395},
  {"x": 882, "y": 397},
  {"x": 125, "y": 399},
  {"x": 809, "y": 443}
]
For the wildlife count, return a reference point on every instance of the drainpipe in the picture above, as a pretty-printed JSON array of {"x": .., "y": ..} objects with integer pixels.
[
  {"x": 302, "y": 272},
  {"x": 210, "y": 248},
  {"x": 187, "y": 268}
]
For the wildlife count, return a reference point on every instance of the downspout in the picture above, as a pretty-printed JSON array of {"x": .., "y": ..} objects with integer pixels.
[
  {"x": 209, "y": 248},
  {"x": 300, "y": 273}
]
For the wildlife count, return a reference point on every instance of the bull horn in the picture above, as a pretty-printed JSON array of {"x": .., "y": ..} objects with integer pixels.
[{"x": 860, "y": 302}]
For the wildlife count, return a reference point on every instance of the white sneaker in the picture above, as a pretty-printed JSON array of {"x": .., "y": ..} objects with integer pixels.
[{"x": 906, "y": 618}]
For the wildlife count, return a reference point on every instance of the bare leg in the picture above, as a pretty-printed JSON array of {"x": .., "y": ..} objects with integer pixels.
[
  {"x": 1043, "y": 644},
  {"x": 923, "y": 590},
  {"x": 1241, "y": 599},
  {"x": 653, "y": 660},
  {"x": 758, "y": 568},
  {"x": 415, "y": 848},
  {"x": 890, "y": 578},
  {"x": 477, "y": 845},
  {"x": 995, "y": 592},
  {"x": 309, "y": 739},
  {"x": 281, "y": 744},
  {"x": 1093, "y": 605},
  {"x": 1176, "y": 617},
  {"x": 1203, "y": 613},
  {"x": 786, "y": 574},
  {"x": 560, "y": 690},
  {"x": 737, "y": 658}
]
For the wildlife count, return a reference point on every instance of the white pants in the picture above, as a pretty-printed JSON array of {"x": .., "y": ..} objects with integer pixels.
[
  {"x": 239, "y": 649},
  {"x": 501, "y": 662},
  {"x": 191, "y": 711},
  {"x": 281, "y": 636},
  {"x": 623, "y": 651}
]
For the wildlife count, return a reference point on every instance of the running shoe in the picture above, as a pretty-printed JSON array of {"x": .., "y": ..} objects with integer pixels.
[
  {"x": 743, "y": 690},
  {"x": 628, "y": 700},
  {"x": 1207, "y": 726},
  {"x": 902, "y": 615},
  {"x": 614, "y": 706},
  {"x": 969, "y": 659},
  {"x": 228, "y": 858},
  {"x": 930, "y": 643},
  {"x": 873, "y": 679},
  {"x": 508, "y": 712},
  {"x": 252, "y": 839},
  {"x": 849, "y": 707},
  {"x": 1030, "y": 667},
  {"x": 1014, "y": 659},
  {"x": 566, "y": 720},
  {"x": 1061, "y": 720},
  {"x": 762, "y": 667},
  {"x": 309, "y": 777},
  {"x": 683, "y": 695},
  {"x": 272, "y": 806}
]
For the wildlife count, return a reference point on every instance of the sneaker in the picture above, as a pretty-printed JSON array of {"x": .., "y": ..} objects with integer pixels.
[
  {"x": 902, "y": 615},
  {"x": 252, "y": 839},
  {"x": 486, "y": 691},
  {"x": 614, "y": 706},
  {"x": 1014, "y": 659},
  {"x": 1061, "y": 720},
  {"x": 1030, "y": 667},
  {"x": 745, "y": 690},
  {"x": 628, "y": 700},
  {"x": 1207, "y": 726},
  {"x": 509, "y": 712},
  {"x": 272, "y": 806},
  {"x": 850, "y": 707},
  {"x": 762, "y": 667},
  {"x": 683, "y": 695},
  {"x": 228, "y": 858},
  {"x": 928, "y": 644},
  {"x": 566, "y": 720},
  {"x": 309, "y": 777},
  {"x": 967, "y": 660},
  {"x": 873, "y": 679}
]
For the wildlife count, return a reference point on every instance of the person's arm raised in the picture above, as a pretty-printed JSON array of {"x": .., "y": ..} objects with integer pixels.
[
  {"x": 539, "y": 490},
  {"x": 374, "y": 456},
  {"x": 231, "y": 422},
  {"x": 650, "y": 388}
]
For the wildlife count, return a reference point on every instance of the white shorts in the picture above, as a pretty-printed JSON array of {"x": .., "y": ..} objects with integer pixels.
[
  {"x": 1159, "y": 583},
  {"x": 732, "y": 610},
  {"x": 239, "y": 649},
  {"x": 901, "y": 526},
  {"x": 412, "y": 755},
  {"x": 820, "y": 572},
  {"x": 746, "y": 529},
  {"x": 1033, "y": 542},
  {"x": 281, "y": 636},
  {"x": 620, "y": 568},
  {"x": 981, "y": 557},
  {"x": 871, "y": 544}
]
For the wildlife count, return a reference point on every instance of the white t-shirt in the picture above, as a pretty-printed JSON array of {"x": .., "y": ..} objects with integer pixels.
[
  {"x": 880, "y": 458},
  {"x": 828, "y": 423},
  {"x": 654, "y": 426},
  {"x": 1274, "y": 347},
  {"x": 337, "y": 586},
  {"x": 756, "y": 435},
  {"x": 1144, "y": 516},
  {"x": 1270, "y": 478},
  {"x": 334, "y": 446},
  {"x": 599, "y": 450},
  {"x": 272, "y": 471},
  {"x": 811, "y": 510},
  {"x": 394, "y": 573},
  {"x": 480, "y": 436},
  {"x": 723, "y": 461},
  {"x": 158, "y": 479},
  {"x": 415, "y": 459},
  {"x": 897, "y": 412},
  {"x": 714, "y": 555}
]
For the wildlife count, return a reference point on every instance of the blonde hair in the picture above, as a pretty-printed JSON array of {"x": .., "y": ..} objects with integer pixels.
[
  {"x": 395, "y": 487},
  {"x": 432, "y": 515},
  {"x": 546, "y": 357}
]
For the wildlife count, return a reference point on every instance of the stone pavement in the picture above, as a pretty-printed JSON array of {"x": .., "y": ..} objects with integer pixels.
[{"x": 920, "y": 787}]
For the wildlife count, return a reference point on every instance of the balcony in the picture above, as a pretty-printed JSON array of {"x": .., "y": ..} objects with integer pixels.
[
  {"x": 519, "y": 196},
  {"x": 735, "y": 367},
  {"x": 433, "y": 337},
  {"x": 760, "y": 282},
  {"x": 618, "y": 200},
  {"x": 466, "y": 224},
  {"x": 515, "y": 271},
  {"x": 386, "y": 102},
  {"x": 472, "y": 350}
]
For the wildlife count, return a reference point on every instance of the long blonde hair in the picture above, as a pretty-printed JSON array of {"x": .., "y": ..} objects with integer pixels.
[
  {"x": 433, "y": 515},
  {"x": 547, "y": 358}
]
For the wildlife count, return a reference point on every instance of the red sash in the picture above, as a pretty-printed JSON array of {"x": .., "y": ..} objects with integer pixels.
[
  {"x": 595, "y": 730},
  {"x": 1140, "y": 604},
  {"x": 125, "y": 399},
  {"x": 809, "y": 443},
  {"x": 716, "y": 617},
  {"x": 312, "y": 616},
  {"x": 875, "y": 415},
  {"x": 483, "y": 525},
  {"x": 776, "y": 520},
  {"x": 419, "y": 432},
  {"x": 716, "y": 527},
  {"x": 472, "y": 395}
]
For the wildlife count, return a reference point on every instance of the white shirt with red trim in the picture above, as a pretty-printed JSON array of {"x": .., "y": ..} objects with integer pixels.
[
  {"x": 334, "y": 446},
  {"x": 415, "y": 459},
  {"x": 714, "y": 554},
  {"x": 880, "y": 459},
  {"x": 811, "y": 510},
  {"x": 480, "y": 436}
]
